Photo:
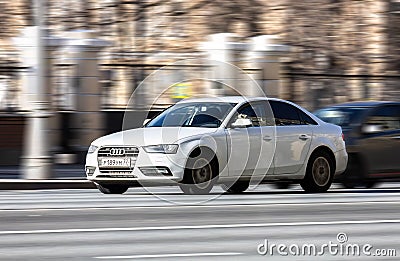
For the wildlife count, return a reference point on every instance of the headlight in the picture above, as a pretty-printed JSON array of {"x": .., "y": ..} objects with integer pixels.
[
  {"x": 92, "y": 149},
  {"x": 162, "y": 148}
]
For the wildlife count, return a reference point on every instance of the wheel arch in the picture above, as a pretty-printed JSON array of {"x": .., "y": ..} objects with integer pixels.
[
  {"x": 324, "y": 149},
  {"x": 197, "y": 150}
]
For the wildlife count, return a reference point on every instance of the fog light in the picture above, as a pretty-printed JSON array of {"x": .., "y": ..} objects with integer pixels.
[
  {"x": 155, "y": 171},
  {"x": 90, "y": 170}
]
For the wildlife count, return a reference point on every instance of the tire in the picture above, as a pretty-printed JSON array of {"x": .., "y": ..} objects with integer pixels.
[
  {"x": 200, "y": 174},
  {"x": 236, "y": 188},
  {"x": 319, "y": 173},
  {"x": 282, "y": 185},
  {"x": 112, "y": 189}
]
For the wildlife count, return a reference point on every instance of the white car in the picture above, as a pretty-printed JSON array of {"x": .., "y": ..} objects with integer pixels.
[{"x": 231, "y": 141}]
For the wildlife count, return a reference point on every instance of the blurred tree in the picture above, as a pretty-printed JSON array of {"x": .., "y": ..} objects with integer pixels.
[
  {"x": 327, "y": 36},
  {"x": 224, "y": 14},
  {"x": 4, "y": 20}
]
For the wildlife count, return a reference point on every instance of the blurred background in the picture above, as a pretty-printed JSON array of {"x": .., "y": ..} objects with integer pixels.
[{"x": 60, "y": 91}]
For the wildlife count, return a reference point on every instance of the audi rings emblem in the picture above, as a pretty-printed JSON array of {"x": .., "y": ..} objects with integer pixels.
[{"x": 117, "y": 152}]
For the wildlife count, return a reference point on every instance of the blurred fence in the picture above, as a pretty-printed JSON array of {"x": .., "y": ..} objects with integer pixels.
[
  {"x": 119, "y": 81},
  {"x": 157, "y": 84},
  {"x": 314, "y": 90}
]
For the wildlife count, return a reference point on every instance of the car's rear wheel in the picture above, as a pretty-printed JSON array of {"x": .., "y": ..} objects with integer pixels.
[
  {"x": 319, "y": 173},
  {"x": 112, "y": 189},
  {"x": 236, "y": 188},
  {"x": 200, "y": 174}
]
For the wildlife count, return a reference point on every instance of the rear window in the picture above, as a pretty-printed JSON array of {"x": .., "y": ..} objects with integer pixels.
[{"x": 341, "y": 116}]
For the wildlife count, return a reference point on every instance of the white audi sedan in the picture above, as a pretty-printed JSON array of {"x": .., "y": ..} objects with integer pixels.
[{"x": 230, "y": 141}]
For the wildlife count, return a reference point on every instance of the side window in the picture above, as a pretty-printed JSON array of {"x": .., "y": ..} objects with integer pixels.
[
  {"x": 385, "y": 118},
  {"x": 256, "y": 112},
  {"x": 285, "y": 114},
  {"x": 305, "y": 119}
]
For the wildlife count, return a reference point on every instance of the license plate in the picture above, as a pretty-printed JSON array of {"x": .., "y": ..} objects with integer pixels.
[{"x": 115, "y": 162}]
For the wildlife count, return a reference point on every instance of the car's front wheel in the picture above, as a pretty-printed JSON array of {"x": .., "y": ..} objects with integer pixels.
[
  {"x": 319, "y": 173},
  {"x": 112, "y": 189},
  {"x": 200, "y": 175}
]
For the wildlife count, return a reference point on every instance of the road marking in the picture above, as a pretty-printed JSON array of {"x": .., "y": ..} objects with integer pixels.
[
  {"x": 216, "y": 226},
  {"x": 171, "y": 255},
  {"x": 206, "y": 206}
]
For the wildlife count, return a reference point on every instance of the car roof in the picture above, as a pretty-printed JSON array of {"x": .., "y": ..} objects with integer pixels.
[
  {"x": 242, "y": 99},
  {"x": 232, "y": 99},
  {"x": 363, "y": 104}
]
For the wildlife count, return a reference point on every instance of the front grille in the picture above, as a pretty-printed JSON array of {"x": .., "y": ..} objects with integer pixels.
[
  {"x": 118, "y": 152},
  {"x": 127, "y": 151}
]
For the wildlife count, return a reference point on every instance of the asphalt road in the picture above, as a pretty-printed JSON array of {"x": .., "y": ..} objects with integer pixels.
[{"x": 87, "y": 225}]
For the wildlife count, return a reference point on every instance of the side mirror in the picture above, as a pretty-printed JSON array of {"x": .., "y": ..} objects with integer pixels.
[
  {"x": 146, "y": 121},
  {"x": 370, "y": 129},
  {"x": 241, "y": 123}
]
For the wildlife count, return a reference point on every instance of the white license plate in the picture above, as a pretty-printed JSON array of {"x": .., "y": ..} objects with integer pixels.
[{"x": 115, "y": 162}]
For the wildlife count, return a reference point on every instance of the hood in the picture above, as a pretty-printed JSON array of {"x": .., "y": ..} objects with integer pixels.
[{"x": 151, "y": 136}]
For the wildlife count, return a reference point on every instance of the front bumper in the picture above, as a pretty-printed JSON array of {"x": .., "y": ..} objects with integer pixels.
[{"x": 171, "y": 168}]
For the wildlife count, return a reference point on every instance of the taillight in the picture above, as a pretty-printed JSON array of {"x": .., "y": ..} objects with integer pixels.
[{"x": 342, "y": 136}]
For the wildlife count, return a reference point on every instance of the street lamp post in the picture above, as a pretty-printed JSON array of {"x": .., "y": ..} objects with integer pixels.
[{"x": 36, "y": 159}]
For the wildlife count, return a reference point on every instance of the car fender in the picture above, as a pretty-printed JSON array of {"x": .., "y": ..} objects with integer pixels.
[
  {"x": 316, "y": 143},
  {"x": 322, "y": 141},
  {"x": 216, "y": 142}
]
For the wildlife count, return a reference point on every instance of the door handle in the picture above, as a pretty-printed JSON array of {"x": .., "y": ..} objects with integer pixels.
[
  {"x": 396, "y": 137},
  {"x": 267, "y": 138},
  {"x": 304, "y": 137}
]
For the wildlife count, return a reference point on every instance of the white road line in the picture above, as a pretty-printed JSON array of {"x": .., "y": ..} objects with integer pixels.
[
  {"x": 46, "y": 199},
  {"x": 205, "y": 206},
  {"x": 171, "y": 255},
  {"x": 217, "y": 226}
]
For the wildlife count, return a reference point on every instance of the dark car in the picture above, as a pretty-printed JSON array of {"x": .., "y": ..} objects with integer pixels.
[{"x": 372, "y": 134}]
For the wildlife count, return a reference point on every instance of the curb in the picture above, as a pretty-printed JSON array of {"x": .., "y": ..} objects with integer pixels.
[{"x": 26, "y": 184}]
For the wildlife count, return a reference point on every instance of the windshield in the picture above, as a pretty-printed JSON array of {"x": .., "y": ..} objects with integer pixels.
[
  {"x": 209, "y": 115},
  {"x": 342, "y": 116}
]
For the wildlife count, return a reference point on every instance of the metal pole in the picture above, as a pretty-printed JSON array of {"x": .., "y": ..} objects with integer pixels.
[
  {"x": 36, "y": 159},
  {"x": 39, "y": 17}
]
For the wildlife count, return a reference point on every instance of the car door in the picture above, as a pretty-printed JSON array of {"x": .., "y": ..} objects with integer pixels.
[
  {"x": 380, "y": 140},
  {"x": 293, "y": 138},
  {"x": 250, "y": 149}
]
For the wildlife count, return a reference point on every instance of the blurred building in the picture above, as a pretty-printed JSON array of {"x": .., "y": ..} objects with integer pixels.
[{"x": 339, "y": 50}]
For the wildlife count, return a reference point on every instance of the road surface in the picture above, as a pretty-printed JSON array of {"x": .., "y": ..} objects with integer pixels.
[{"x": 87, "y": 225}]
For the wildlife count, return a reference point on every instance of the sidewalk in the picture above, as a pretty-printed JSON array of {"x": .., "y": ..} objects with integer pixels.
[{"x": 64, "y": 177}]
